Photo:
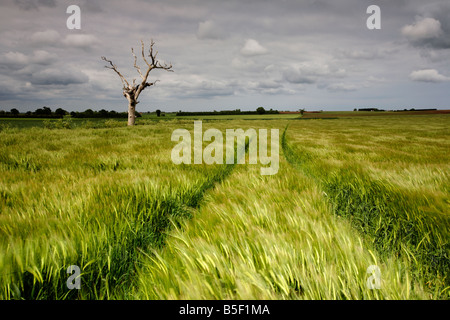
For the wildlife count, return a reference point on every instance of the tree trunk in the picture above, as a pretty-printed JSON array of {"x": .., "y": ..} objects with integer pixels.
[{"x": 131, "y": 112}]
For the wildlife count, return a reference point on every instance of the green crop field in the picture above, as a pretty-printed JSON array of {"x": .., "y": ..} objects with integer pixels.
[{"x": 350, "y": 193}]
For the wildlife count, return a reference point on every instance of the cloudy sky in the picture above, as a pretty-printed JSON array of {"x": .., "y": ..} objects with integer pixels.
[{"x": 284, "y": 54}]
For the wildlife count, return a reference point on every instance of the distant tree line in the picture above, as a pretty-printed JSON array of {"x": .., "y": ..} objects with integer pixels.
[
  {"x": 415, "y": 110},
  {"x": 89, "y": 113},
  {"x": 259, "y": 110},
  {"x": 369, "y": 109},
  {"x": 46, "y": 112},
  {"x": 376, "y": 109}
]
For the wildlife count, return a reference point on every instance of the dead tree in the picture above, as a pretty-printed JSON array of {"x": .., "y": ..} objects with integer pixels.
[{"x": 132, "y": 91}]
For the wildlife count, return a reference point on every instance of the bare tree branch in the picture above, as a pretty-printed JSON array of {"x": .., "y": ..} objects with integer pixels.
[
  {"x": 143, "y": 54},
  {"x": 114, "y": 67},
  {"x": 135, "y": 64},
  {"x": 153, "y": 65},
  {"x": 151, "y": 55}
]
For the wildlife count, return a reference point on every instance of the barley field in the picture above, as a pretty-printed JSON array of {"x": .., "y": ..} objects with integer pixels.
[{"x": 350, "y": 193}]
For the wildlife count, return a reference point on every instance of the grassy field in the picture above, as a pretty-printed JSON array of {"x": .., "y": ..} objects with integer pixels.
[
  {"x": 357, "y": 114},
  {"x": 86, "y": 123},
  {"x": 350, "y": 193}
]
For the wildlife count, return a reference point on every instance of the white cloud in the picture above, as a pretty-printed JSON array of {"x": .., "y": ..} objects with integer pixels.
[
  {"x": 427, "y": 28},
  {"x": 17, "y": 60},
  {"x": 253, "y": 48},
  {"x": 428, "y": 75},
  {"x": 84, "y": 41},
  {"x": 43, "y": 57},
  {"x": 335, "y": 87},
  {"x": 209, "y": 30},
  {"x": 314, "y": 68},
  {"x": 13, "y": 59},
  {"x": 47, "y": 37},
  {"x": 311, "y": 72},
  {"x": 361, "y": 54},
  {"x": 373, "y": 79}
]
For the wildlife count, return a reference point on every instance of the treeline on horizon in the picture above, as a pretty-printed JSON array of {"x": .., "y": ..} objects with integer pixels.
[
  {"x": 259, "y": 110},
  {"x": 46, "y": 112},
  {"x": 376, "y": 109}
]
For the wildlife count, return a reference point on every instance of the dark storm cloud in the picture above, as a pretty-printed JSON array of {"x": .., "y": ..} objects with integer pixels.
[
  {"x": 58, "y": 77},
  {"x": 430, "y": 27}
]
